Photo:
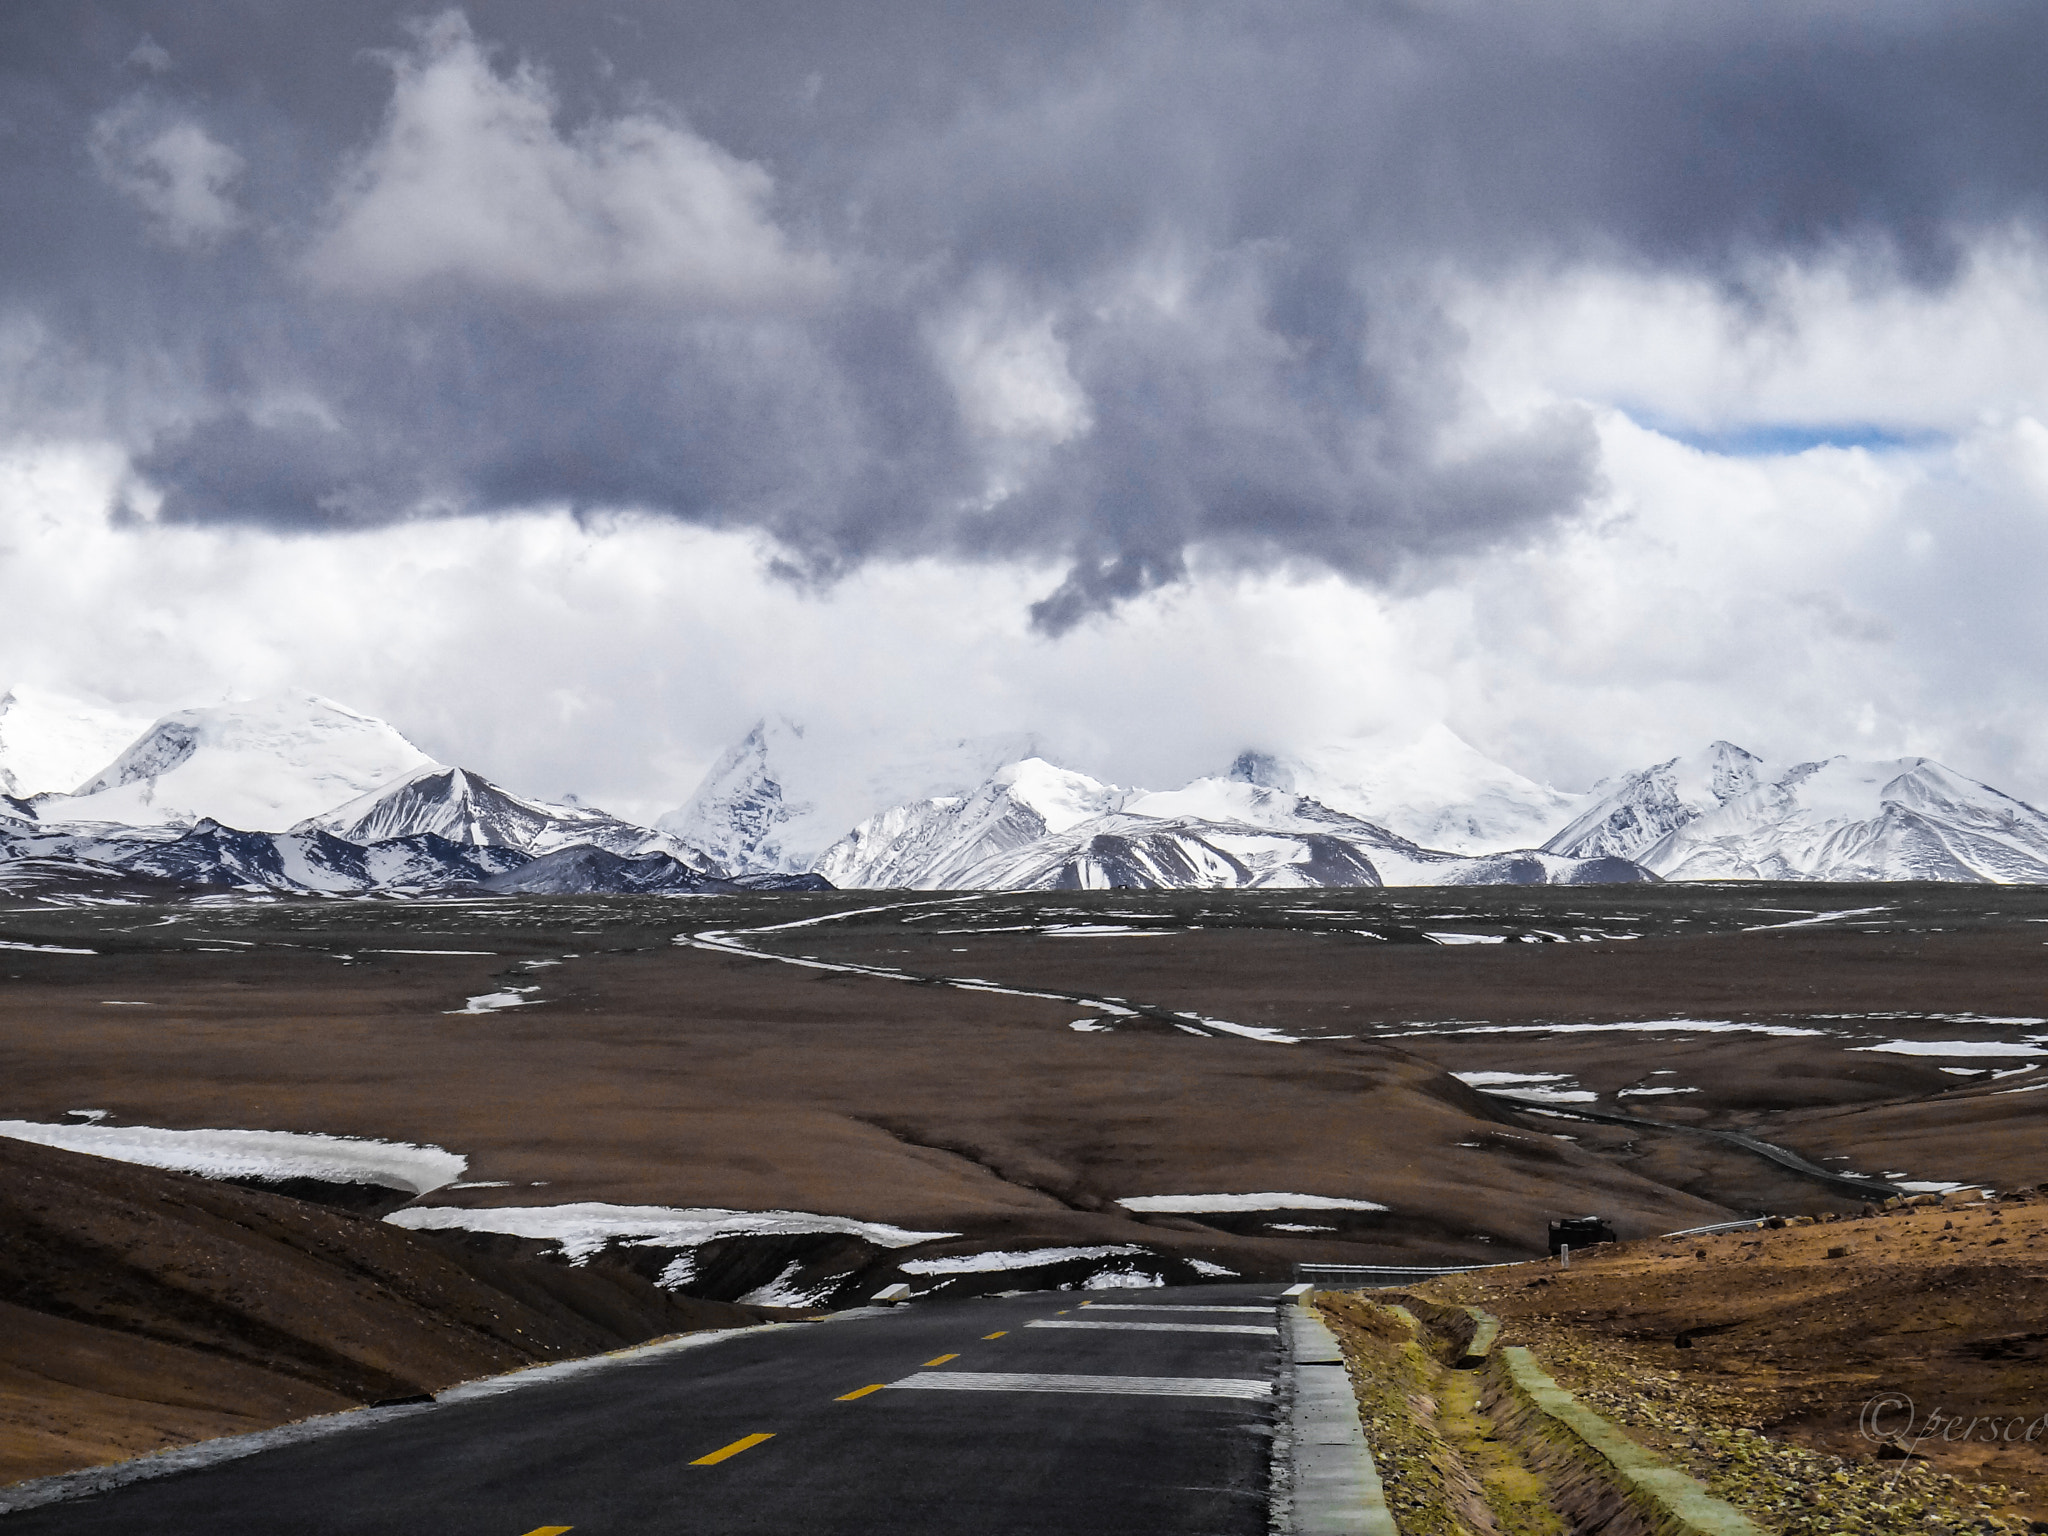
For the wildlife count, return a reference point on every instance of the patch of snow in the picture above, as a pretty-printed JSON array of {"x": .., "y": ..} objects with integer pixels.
[
  {"x": 45, "y": 949},
  {"x": 1658, "y": 1026},
  {"x": 1192, "y": 1204},
  {"x": 584, "y": 1228},
  {"x": 1005, "y": 1259},
  {"x": 491, "y": 1002},
  {"x": 1091, "y": 1027},
  {"x": 1498, "y": 1079},
  {"x": 1651, "y": 1093},
  {"x": 1953, "y": 1048},
  {"x": 780, "y": 1292},
  {"x": 1466, "y": 938},
  {"x": 1296, "y": 1226},
  {"x": 1931, "y": 1186},
  {"x": 1938, "y": 1018},
  {"x": 1105, "y": 931},
  {"x": 1122, "y": 1279},
  {"x": 231, "y": 1154},
  {"x": 1214, "y": 1271},
  {"x": 88, "y": 1114},
  {"x": 1553, "y": 1095},
  {"x": 1251, "y": 1031}
]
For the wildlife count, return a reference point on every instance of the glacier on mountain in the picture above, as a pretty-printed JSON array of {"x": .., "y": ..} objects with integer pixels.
[{"x": 260, "y": 766}]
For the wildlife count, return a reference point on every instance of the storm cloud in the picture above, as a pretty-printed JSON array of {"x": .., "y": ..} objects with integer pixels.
[{"x": 1110, "y": 286}]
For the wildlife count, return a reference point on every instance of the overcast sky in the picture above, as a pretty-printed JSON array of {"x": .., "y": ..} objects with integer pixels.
[{"x": 572, "y": 384}]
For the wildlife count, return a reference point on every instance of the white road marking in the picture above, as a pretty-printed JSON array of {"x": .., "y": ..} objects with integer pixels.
[
  {"x": 1061, "y": 1322},
  {"x": 1130, "y": 1386},
  {"x": 1166, "y": 1306}
]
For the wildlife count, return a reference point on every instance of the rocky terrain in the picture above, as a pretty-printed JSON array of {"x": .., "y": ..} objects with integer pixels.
[{"x": 1879, "y": 1372}]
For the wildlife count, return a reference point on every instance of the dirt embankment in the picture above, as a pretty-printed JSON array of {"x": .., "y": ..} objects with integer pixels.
[
  {"x": 144, "y": 1309},
  {"x": 1826, "y": 1377}
]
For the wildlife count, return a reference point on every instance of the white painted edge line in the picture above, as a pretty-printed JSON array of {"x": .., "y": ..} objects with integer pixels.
[
  {"x": 1265, "y": 1329},
  {"x": 1334, "y": 1488},
  {"x": 88, "y": 1481},
  {"x": 1126, "y": 1386}
]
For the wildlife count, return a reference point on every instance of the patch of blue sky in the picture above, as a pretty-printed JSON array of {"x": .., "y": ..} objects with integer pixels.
[{"x": 1782, "y": 439}]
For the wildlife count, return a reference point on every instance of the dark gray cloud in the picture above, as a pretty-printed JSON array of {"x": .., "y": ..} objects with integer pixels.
[{"x": 1094, "y": 283}]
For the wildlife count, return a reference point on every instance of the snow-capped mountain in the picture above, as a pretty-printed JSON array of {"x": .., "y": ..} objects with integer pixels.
[
  {"x": 1430, "y": 787},
  {"x": 50, "y": 743},
  {"x": 1626, "y": 817},
  {"x": 262, "y": 766},
  {"x": 1904, "y": 819},
  {"x": 1036, "y": 827},
  {"x": 779, "y": 798},
  {"x": 1725, "y": 814},
  {"x": 935, "y": 844},
  {"x": 468, "y": 809}
]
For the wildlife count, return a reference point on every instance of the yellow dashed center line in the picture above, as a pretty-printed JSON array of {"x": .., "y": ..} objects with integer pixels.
[
  {"x": 847, "y": 1397},
  {"x": 941, "y": 1360},
  {"x": 726, "y": 1452},
  {"x": 550, "y": 1530},
  {"x": 997, "y": 1334}
]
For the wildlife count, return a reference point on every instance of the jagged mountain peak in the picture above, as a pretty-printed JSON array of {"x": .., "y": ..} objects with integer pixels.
[
  {"x": 467, "y": 809},
  {"x": 933, "y": 844},
  {"x": 1625, "y": 817},
  {"x": 781, "y": 796}
]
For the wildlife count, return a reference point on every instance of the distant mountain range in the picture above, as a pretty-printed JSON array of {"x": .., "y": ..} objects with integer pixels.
[
  {"x": 298, "y": 795},
  {"x": 1727, "y": 815}
]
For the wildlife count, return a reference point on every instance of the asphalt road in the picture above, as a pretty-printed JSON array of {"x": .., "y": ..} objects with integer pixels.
[{"x": 979, "y": 1426}]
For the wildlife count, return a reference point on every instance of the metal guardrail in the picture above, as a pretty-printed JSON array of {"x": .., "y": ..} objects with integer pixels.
[{"x": 1720, "y": 1226}]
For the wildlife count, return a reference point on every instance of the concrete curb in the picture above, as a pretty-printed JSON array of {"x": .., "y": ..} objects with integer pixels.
[
  {"x": 1467, "y": 1334},
  {"x": 1667, "y": 1499},
  {"x": 1335, "y": 1488}
]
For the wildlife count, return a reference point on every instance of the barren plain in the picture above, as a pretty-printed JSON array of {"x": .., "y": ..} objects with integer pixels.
[{"x": 1003, "y": 1073}]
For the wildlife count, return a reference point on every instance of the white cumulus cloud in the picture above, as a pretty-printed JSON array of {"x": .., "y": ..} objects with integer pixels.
[
  {"x": 171, "y": 168},
  {"x": 473, "y": 181}
]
